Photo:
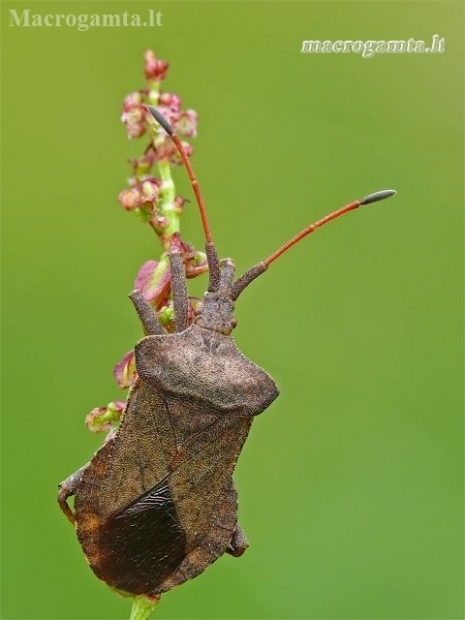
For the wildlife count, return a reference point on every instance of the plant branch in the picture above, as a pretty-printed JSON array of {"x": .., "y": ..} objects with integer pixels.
[{"x": 142, "y": 607}]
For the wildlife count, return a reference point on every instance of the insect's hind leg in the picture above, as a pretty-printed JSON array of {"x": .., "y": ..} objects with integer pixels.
[
  {"x": 67, "y": 489},
  {"x": 239, "y": 543},
  {"x": 197, "y": 560},
  {"x": 179, "y": 289}
]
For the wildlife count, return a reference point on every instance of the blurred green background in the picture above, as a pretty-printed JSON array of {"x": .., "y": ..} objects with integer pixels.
[{"x": 351, "y": 483}]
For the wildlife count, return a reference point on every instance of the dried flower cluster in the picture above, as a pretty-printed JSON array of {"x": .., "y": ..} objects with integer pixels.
[{"x": 151, "y": 195}]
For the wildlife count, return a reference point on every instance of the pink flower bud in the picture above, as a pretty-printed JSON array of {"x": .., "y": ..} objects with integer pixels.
[
  {"x": 135, "y": 130},
  {"x": 149, "y": 191},
  {"x": 186, "y": 125},
  {"x": 130, "y": 199},
  {"x": 168, "y": 152},
  {"x": 125, "y": 370},
  {"x": 154, "y": 69},
  {"x": 153, "y": 279},
  {"x": 159, "y": 222},
  {"x": 134, "y": 115},
  {"x": 143, "y": 165},
  {"x": 143, "y": 193},
  {"x": 102, "y": 419},
  {"x": 179, "y": 203},
  {"x": 178, "y": 243},
  {"x": 196, "y": 264},
  {"x": 144, "y": 274},
  {"x": 132, "y": 100},
  {"x": 168, "y": 100}
]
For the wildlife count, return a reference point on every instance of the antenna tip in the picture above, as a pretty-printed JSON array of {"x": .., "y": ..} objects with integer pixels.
[
  {"x": 385, "y": 193},
  {"x": 160, "y": 119}
]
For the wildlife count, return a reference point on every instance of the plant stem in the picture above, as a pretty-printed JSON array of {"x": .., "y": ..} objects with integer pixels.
[
  {"x": 168, "y": 194},
  {"x": 142, "y": 607}
]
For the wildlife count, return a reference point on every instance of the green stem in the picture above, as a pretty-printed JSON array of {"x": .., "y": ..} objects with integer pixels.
[
  {"x": 168, "y": 194},
  {"x": 167, "y": 190},
  {"x": 142, "y": 607}
]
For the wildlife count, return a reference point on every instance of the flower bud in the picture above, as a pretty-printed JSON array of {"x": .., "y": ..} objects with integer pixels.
[
  {"x": 179, "y": 203},
  {"x": 142, "y": 165},
  {"x": 155, "y": 69},
  {"x": 130, "y": 198},
  {"x": 196, "y": 264},
  {"x": 186, "y": 124},
  {"x": 132, "y": 100},
  {"x": 102, "y": 419},
  {"x": 168, "y": 100},
  {"x": 168, "y": 152},
  {"x": 125, "y": 370},
  {"x": 153, "y": 279},
  {"x": 149, "y": 191}
]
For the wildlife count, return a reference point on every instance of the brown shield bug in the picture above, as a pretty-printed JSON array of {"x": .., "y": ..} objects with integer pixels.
[{"x": 156, "y": 505}]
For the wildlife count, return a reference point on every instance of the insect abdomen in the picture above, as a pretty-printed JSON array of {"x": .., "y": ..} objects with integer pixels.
[{"x": 136, "y": 549}]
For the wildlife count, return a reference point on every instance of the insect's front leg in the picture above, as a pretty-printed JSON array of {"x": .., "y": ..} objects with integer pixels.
[
  {"x": 68, "y": 488},
  {"x": 239, "y": 543}
]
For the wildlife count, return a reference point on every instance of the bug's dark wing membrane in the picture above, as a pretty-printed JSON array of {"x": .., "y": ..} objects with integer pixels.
[{"x": 143, "y": 544}]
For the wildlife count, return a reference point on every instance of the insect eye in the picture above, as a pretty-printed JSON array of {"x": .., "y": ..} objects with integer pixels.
[
  {"x": 198, "y": 309},
  {"x": 233, "y": 322}
]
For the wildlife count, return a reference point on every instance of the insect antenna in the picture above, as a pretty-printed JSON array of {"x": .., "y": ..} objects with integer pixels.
[
  {"x": 252, "y": 273},
  {"x": 210, "y": 249}
]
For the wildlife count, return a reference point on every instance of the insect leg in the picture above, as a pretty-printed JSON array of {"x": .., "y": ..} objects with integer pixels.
[
  {"x": 239, "y": 543},
  {"x": 68, "y": 488},
  {"x": 147, "y": 316},
  {"x": 179, "y": 289}
]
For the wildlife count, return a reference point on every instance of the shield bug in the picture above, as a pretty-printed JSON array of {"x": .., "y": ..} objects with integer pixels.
[{"x": 157, "y": 505}]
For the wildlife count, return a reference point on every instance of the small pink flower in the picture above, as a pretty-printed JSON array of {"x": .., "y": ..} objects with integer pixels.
[
  {"x": 149, "y": 191},
  {"x": 132, "y": 100},
  {"x": 144, "y": 274},
  {"x": 102, "y": 419},
  {"x": 178, "y": 243},
  {"x": 125, "y": 370},
  {"x": 186, "y": 124},
  {"x": 135, "y": 130},
  {"x": 155, "y": 69},
  {"x": 143, "y": 165},
  {"x": 168, "y": 100},
  {"x": 144, "y": 193},
  {"x": 196, "y": 264},
  {"x": 153, "y": 279},
  {"x": 168, "y": 152},
  {"x": 133, "y": 115},
  {"x": 130, "y": 199},
  {"x": 159, "y": 222},
  {"x": 179, "y": 203}
]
